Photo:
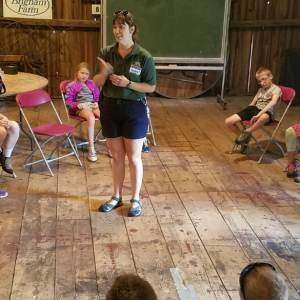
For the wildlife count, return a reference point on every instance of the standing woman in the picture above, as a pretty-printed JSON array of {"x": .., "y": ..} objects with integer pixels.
[{"x": 126, "y": 71}]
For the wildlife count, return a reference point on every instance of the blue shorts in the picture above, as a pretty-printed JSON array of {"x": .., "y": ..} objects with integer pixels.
[{"x": 126, "y": 118}]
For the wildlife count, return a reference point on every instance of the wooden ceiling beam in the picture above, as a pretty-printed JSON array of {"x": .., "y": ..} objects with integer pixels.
[{"x": 55, "y": 22}]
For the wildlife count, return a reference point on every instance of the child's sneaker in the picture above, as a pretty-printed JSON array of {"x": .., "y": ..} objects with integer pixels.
[
  {"x": 244, "y": 148},
  {"x": 92, "y": 155},
  {"x": 297, "y": 179},
  {"x": 243, "y": 138},
  {"x": 291, "y": 169},
  {"x": 3, "y": 194},
  {"x": 146, "y": 147}
]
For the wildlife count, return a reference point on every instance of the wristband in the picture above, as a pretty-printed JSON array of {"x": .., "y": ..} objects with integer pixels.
[{"x": 128, "y": 85}]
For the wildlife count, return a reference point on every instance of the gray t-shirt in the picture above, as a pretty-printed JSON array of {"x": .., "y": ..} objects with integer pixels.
[
  {"x": 264, "y": 96},
  {"x": 85, "y": 95}
]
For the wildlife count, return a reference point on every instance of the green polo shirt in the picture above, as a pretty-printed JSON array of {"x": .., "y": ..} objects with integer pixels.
[{"x": 137, "y": 66}]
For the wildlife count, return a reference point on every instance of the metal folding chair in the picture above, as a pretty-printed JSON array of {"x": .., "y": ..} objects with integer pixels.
[
  {"x": 71, "y": 115},
  {"x": 37, "y": 98},
  {"x": 150, "y": 128},
  {"x": 288, "y": 95}
]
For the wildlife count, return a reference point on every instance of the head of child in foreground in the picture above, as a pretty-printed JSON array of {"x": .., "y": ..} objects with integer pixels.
[
  {"x": 264, "y": 77},
  {"x": 131, "y": 287},
  {"x": 83, "y": 72},
  {"x": 260, "y": 281}
]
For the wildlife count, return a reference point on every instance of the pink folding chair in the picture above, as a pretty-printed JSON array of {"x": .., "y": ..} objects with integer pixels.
[
  {"x": 288, "y": 95},
  {"x": 34, "y": 99},
  {"x": 71, "y": 113}
]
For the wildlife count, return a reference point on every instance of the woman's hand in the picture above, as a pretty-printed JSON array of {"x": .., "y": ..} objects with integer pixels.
[
  {"x": 4, "y": 122},
  {"x": 81, "y": 106},
  {"x": 95, "y": 105},
  {"x": 105, "y": 67},
  {"x": 119, "y": 80}
]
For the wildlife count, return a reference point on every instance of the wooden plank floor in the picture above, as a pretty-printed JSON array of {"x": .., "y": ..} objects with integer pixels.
[{"x": 206, "y": 212}]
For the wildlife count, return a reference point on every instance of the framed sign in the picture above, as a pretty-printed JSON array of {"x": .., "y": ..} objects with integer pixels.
[{"x": 33, "y": 9}]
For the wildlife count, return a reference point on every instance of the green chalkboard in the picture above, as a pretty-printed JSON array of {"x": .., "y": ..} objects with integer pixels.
[{"x": 175, "y": 30}]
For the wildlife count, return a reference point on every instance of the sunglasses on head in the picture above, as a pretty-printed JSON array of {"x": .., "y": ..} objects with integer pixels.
[
  {"x": 246, "y": 271},
  {"x": 124, "y": 13}
]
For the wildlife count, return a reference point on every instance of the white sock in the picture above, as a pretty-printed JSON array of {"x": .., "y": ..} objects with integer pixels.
[{"x": 7, "y": 152}]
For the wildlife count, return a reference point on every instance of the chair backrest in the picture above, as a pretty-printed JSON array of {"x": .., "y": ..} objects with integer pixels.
[
  {"x": 32, "y": 98},
  {"x": 288, "y": 94},
  {"x": 63, "y": 85}
]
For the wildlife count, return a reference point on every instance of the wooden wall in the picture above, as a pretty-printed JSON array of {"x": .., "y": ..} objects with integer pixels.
[
  {"x": 55, "y": 46},
  {"x": 259, "y": 34},
  {"x": 266, "y": 30}
]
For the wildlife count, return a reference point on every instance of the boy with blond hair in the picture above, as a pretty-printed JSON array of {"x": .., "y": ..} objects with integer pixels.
[
  {"x": 260, "y": 281},
  {"x": 260, "y": 111}
]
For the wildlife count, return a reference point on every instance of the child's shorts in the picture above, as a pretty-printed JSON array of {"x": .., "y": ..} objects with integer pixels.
[
  {"x": 89, "y": 106},
  {"x": 126, "y": 118},
  {"x": 248, "y": 113}
]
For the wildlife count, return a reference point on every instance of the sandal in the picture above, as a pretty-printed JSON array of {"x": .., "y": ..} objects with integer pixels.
[
  {"x": 135, "y": 211},
  {"x": 107, "y": 207}
]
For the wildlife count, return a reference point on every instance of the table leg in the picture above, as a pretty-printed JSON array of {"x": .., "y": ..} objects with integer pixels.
[{"x": 27, "y": 133}]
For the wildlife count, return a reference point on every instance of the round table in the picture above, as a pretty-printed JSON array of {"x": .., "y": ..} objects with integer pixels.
[{"x": 22, "y": 82}]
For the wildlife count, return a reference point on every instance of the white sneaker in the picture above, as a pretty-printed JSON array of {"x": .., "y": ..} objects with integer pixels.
[{"x": 92, "y": 155}]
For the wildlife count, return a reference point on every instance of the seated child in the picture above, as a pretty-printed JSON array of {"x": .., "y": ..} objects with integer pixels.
[
  {"x": 260, "y": 111},
  {"x": 130, "y": 287},
  {"x": 9, "y": 134},
  {"x": 261, "y": 281},
  {"x": 82, "y": 95},
  {"x": 291, "y": 136}
]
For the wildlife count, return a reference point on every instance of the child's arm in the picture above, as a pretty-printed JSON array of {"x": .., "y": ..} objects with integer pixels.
[
  {"x": 270, "y": 105},
  {"x": 253, "y": 103},
  {"x": 70, "y": 97}
]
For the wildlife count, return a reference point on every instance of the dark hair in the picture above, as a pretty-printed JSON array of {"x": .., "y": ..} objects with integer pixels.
[
  {"x": 131, "y": 287},
  {"x": 128, "y": 19}
]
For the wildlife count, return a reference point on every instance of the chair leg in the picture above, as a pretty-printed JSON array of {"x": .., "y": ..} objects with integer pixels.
[
  {"x": 151, "y": 131},
  {"x": 96, "y": 137},
  {"x": 256, "y": 142},
  {"x": 233, "y": 147},
  {"x": 271, "y": 139},
  {"x": 297, "y": 150},
  {"x": 75, "y": 152},
  {"x": 80, "y": 144}
]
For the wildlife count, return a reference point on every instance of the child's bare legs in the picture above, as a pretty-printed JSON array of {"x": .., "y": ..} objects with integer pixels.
[
  {"x": 9, "y": 136},
  {"x": 8, "y": 139},
  {"x": 263, "y": 119},
  {"x": 245, "y": 137},
  {"x": 231, "y": 123},
  {"x": 90, "y": 117},
  {"x": 291, "y": 145}
]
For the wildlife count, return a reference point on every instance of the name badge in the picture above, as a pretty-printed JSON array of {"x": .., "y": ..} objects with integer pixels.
[{"x": 135, "y": 70}]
